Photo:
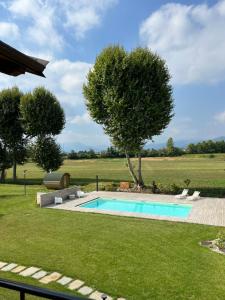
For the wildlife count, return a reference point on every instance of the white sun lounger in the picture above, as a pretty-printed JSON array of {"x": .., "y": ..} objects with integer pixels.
[
  {"x": 195, "y": 196},
  {"x": 80, "y": 194},
  {"x": 183, "y": 195}
]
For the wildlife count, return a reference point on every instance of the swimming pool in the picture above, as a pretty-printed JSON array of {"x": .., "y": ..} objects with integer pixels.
[{"x": 143, "y": 207}]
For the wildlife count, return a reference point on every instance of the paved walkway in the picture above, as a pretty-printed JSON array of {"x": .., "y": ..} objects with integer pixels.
[
  {"x": 46, "y": 277},
  {"x": 210, "y": 211}
]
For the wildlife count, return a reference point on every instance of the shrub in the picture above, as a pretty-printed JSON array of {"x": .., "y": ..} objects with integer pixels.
[
  {"x": 111, "y": 187},
  {"x": 169, "y": 189},
  {"x": 187, "y": 182},
  {"x": 220, "y": 241},
  {"x": 154, "y": 187}
]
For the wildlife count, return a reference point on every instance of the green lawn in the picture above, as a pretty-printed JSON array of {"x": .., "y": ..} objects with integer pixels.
[
  {"x": 206, "y": 174},
  {"x": 133, "y": 258}
]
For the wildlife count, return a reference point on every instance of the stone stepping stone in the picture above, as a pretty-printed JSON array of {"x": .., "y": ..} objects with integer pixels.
[
  {"x": 85, "y": 290},
  {"x": 9, "y": 267},
  {"x": 108, "y": 297},
  {"x": 76, "y": 284},
  {"x": 18, "y": 269},
  {"x": 121, "y": 299},
  {"x": 51, "y": 277},
  {"x": 64, "y": 280},
  {"x": 3, "y": 264},
  {"x": 29, "y": 271},
  {"x": 40, "y": 274},
  {"x": 98, "y": 296}
]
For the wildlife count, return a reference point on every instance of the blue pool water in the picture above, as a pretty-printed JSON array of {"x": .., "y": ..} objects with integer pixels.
[{"x": 152, "y": 208}]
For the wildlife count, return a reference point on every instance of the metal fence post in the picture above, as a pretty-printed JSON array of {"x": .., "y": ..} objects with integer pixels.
[
  {"x": 22, "y": 296},
  {"x": 97, "y": 183},
  {"x": 25, "y": 184}
]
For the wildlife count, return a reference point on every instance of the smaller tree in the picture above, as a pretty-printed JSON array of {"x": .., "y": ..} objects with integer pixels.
[
  {"x": 47, "y": 154},
  {"x": 170, "y": 149}
]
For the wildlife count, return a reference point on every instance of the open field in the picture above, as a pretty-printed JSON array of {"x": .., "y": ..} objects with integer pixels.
[
  {"x": 134, "y": 258},
  {"x": 206, "y": 174}
]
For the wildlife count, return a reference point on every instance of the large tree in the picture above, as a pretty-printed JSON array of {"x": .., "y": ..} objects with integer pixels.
[
  {"x": 11, "y": 129},
  {"x": 129, "y": 94}
]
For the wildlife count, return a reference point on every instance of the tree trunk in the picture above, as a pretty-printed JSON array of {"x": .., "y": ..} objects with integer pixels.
[
  {"x": 2, "y": 176},
  {"x": 14, "y": 167},
  {"x": 131, "y": 169},
  {"x": 140, "y": 179}
]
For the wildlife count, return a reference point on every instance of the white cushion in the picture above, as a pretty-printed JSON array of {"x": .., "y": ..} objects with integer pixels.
[
  {"x": 58, "y": 200},
  {"x": 80, "y": 194}
]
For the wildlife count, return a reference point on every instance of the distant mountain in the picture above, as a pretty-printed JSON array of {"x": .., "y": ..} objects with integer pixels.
[
  {"x": 149, "y": 145},
  {"x": 82, "y": 147},
  {"x": 218, "y": 139},
  {"x": 177, "y": 143}
]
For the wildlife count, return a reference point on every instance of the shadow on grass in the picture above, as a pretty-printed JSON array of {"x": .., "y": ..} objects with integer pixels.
[
  {"x": 209, "y": 192},
  {"x": 6, "y": 197},
  {"x": 205, "y": 191},
  {"x": 73, "y": 181}
]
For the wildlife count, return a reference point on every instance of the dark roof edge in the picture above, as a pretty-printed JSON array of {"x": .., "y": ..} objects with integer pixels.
[{"x": 32, "y": 64}]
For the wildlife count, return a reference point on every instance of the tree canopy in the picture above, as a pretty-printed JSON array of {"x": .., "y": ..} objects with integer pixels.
[
  {"x": 11, "y": 128},
  {"x": 42, "y": 113},
  {"x": 130, "y": 96},
  {"x": 47, "y": 154},
  {"x": 5, "y": 160},
  {"x": 26, "y": 117}
]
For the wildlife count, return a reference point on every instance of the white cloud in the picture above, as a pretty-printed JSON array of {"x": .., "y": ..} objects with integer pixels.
[
  {"x": 73, "y": 74},
  {"x": 9, "y": 30},
  {"x": 59, "y": 79},
  {"x": 83, "y": 15},
  {"x": 191, "y": 38},
  {"x": 180, "y": 128},
  {"x": 41, "y": 28},
  {"x": 220, "y": 117},
  {"x": 74, "y": 139},
  {"x": 81, "y": 119},
  {"x": 44, "y": 21}
]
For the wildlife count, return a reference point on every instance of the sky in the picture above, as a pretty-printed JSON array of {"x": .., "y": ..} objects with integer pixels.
[{"x": 189, "y": 35}]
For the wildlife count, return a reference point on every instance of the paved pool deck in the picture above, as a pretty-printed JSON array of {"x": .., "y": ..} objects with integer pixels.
[{"x": 208, "y": 211}]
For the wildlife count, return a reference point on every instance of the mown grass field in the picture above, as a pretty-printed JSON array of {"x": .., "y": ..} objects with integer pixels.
[
  {"x": 206, "y": 174},
  {"x": 134, "y": 258}
]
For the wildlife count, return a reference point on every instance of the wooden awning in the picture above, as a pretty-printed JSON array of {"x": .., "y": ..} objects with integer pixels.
[{"x": 14, "y": 62}]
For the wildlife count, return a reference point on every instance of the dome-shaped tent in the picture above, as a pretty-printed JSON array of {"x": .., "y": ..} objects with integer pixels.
[{"x": 57, "y": 181}]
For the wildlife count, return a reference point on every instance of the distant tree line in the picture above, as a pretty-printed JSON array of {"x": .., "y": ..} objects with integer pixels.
[
  {"x": 113, "y": 152},
  {"x": 205, "y": 147},
  {"x": 110, "y": 152}
]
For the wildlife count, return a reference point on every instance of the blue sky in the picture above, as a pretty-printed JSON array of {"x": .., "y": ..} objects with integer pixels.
[{"x": 189, "y": 35}]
